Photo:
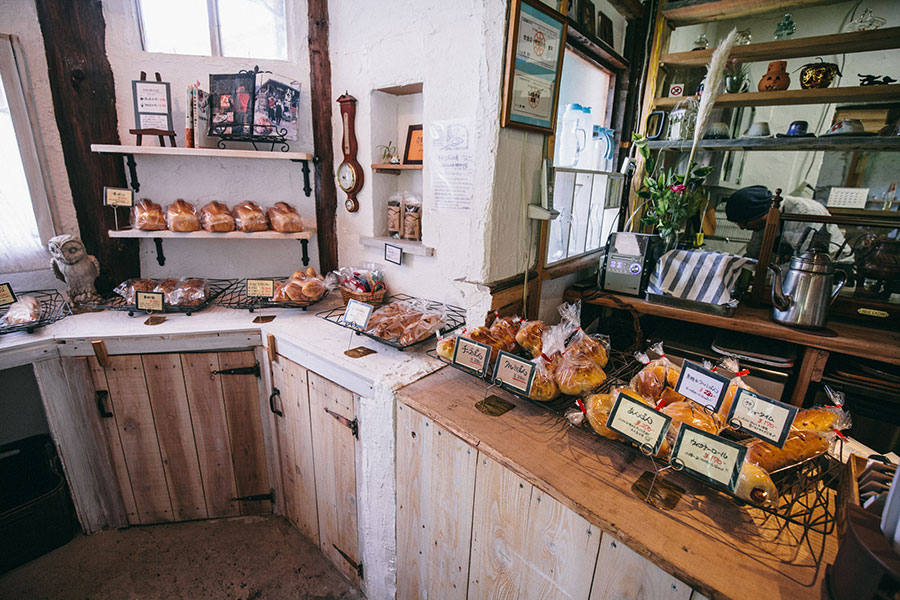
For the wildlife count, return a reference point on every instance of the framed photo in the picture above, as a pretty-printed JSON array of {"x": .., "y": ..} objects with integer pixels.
[
  {"x": 587, "y": 16},
  {"x": 152, "y": 105},
  {"x": 231, "y": 103},
  {"x": 277, "y": 106},
  {"x": 605, "y": 28},
  {"x": 535, "y": 42},
  {"x": 414, "y": 151}
]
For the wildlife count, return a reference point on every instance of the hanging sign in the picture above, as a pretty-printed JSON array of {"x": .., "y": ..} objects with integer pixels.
[
  {"x": 260, "y": 288},
  {"x": 357, "y": 314},
  {"x": 767, "y": 419},
  {"x": 514, "y": 373},
  {"x": 709, "y": 457},
  {"x": 701, "y": 385},
  {"x": 471, "y": 355},
  {"x": 149, "y": 301},
  {"x": 117, "y": 196},
  {"x": 7, "y": 295},
  {"x": 642, "y": 424}
]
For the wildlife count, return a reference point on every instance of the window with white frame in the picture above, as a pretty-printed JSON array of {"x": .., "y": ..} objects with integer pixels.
[
  {"x": 237, "y": 28},
  {"x": 26, "y": 224}
]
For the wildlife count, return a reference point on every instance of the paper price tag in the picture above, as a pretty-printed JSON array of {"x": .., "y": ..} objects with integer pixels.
[
  {"x": 260, "y": 288},
  {"x": 149, "y": 301},
  {"x": 117, "y": 196},
  {"x": 514, "y": 373},
  {"x": 701, "y": 385},
  {"x": 471, "y": 355},
  {"x": 706, "y": 456},
  {"x": 7, "y": 295},
  {"x": 767, "y": 419},
  {"x": 393, "y": 254},
  {"x": 642, "y": 424},
  {"x": 357, "y": 314}
]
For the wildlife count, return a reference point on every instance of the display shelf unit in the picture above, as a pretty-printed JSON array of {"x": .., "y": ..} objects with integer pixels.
[
  {"x": 395, "y": 169},
  {"x": 869, "y": 93},
  {"x": 408, "y": 246},
  {"x": 689, "y": 12},
  {"x": 838, "y": 43},
  {"x": 840, "y": 144}
]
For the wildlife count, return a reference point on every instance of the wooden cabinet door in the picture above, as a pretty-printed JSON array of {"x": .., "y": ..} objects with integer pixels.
[
  {"x": 622, "y": 573},
  {"x": 295, "y": 450},
  {"x": 334, "y": 451}
]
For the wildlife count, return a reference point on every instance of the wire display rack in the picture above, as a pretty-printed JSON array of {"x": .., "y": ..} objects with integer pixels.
[
  {"x": 53, "y": 308},
  {"x": 216, "y": 288},
  {"x": 454, "y": 318},
  {"x": 236, "y": 297}
]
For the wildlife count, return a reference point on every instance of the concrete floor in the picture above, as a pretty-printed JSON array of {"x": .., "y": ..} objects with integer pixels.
[{"x": 244, "y": 558}]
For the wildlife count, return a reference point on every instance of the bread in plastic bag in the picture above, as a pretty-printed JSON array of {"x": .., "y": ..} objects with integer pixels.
[
  {"x": 127, "y": 288},
  {"x": 692, "y": 414},
  {"x": 598, "y": 406},
  {"x": 529, "y": 336},
  {"x": 26, "y": 309},
  {"x": 737, "y": 382},
  {"x": 147, "y": 215},
  {"x": 822, "y": 419},
  {"x": 504, "y": 329},
  {"x": 248, "y": 217},
  {"x": 656, "y": 376},
  {"x": 284, "y": 218},
  {"x": 189, "y": 292},
  {"x": 799, "y": 446},
  {"x": 578, "y": 370},
  {"x": 182, "y": 216},
  {"x": 216, "y": 217},
  {"x": 755, "y": 485},
  {"x": 543, "y": 386}
]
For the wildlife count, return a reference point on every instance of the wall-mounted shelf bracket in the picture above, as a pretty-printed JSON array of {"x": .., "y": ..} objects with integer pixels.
[
  {"x": 307, "y": 188},
  {"x": 160, "y": 257},
  {"x": 304, "y": 249}
]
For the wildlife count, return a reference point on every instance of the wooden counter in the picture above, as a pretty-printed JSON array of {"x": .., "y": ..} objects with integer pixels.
[
  {"x": 717, "y": 547},
  {"x": 843, "y": 338}
]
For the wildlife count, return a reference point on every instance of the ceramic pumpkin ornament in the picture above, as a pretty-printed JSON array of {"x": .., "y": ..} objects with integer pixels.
[{"x": 776, "y": 78}]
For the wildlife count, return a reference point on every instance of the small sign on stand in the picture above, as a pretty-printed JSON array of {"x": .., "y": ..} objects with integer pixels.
[
  {"x": 708, "y": 457},
  {"x": 765, "y": 418},
  {"x": 642, "y": 424},
  {"x": 7, "y": 295},
  {"x": 150, "y": 301},
  {"x": 152, "y": 109},
  {"x": 702, "y": 385},
  {"x": 356, "y": 316},
  {"x": 513, "y": 373},
  {"x": 260, "y": 288},
  {"x": 117, "y": 197},
  {"x": 471, "y": 356}
]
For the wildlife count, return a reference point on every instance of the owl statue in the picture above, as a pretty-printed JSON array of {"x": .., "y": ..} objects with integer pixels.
[{"x": 75, "y": 267}]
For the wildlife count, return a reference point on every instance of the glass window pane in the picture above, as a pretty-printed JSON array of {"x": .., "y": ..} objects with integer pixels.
[
  {"x": 253, "y": 28},
  {"x": 175, "y": 26},
  {"x": 563, "y": 191},
  {"x": 581, "y": 206},
  {"x": 20, "y": 243}
]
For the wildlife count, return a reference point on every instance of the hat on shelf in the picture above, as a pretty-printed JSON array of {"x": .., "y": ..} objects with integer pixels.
[
  {"x": 797, "y": 129},
  {"x": 758, "y": 129},
  {"x": 748, "y": 203}
]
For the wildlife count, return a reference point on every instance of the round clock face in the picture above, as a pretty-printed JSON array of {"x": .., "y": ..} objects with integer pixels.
[{"x": 346, "y": 176}]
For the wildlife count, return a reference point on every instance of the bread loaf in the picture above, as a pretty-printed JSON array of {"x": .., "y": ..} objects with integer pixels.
[
  {"x": 26, "y": 309},
  {"x": 822, "y": 419},
  {"x": 216, "y": 217},
  {"x": 181, "y": 216},
  {"x": 544, "y": 387},
  {"x": 577, "y": 374},
  {"x": 529, "y": 336},
  {"x": 148, "y": 216},
  {"x": 190, "y": 292},
  {"x": 446, "y": 347},
  {"x": 248, "y": 217},
  {"x": 799, "y": 446},
  {"x": 290, "y": 291},
  {"x": 285, "y": 218},
  {"x": 755, "y": 486}
]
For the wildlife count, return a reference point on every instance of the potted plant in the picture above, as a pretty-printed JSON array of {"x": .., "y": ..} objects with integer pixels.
[{"x": 736, "y": 77}]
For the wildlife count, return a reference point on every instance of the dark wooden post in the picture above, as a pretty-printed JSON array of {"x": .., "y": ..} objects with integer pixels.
[
  {"x": 322, "y": 105},
  {"x": 773, "y": 221},
  {"x": 84, "y": 100}
]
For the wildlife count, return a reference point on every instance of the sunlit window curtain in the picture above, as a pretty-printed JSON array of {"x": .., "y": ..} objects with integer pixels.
[{"x": 20, "y": 243}]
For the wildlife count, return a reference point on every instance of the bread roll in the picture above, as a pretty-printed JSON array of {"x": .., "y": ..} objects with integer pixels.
[
  {"x": 148, "y": 216},
  {"x": 167, "y": 287},
  {"x": 483, "y": 335},
  {"x": 504, "y": 330},
  {"x": 755, "y": 486},
  {"x": 598, "y": 407},
  {"x": 692, "y": 414},
  {"x": 26, "y": 309},
  {"x": 577, "y": 374},
  {"x": 799, "y": 446},
  {"x": 733, "y": 386},
  {"x": 285, "y": 218},
  {"x": 248, "y": 217},
  {"x": 190, "y": 292},
  {"x": 529, "y": 336},
  {"x": 822, "y": 419},
  {"x": 417, "y": 330},
  {"x": 181, "y": 216},
  {"x": 313, "y": 288},
  {"x": 589, "y": 347},
  {"x": 655, "y": 377},
  {"x": 446, "y": 347},
  {"x": 543, "y": 386},
  {"x": 290, "y": 291},
  {"x": 215, "y": 217}
]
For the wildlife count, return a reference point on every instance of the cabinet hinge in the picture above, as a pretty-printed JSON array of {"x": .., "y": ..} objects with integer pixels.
[
  {"x": 357, "y": 566},
  {"x": 255, "y": 497},
  {"x": 353, "y": 425},
  {"x": 254, "y": 370}
]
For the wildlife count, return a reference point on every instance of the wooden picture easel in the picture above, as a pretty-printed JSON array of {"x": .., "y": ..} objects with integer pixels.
[{"x": 161, "y": 133}]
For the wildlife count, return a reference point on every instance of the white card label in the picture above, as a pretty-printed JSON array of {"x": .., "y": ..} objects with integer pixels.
[
  {"x": 514, "y": 373},
  {"x": 260, "y": 288},
  {"x": 701, "y": 385},
  {"x": 676, "y": 90},
  {"x": 767, "y": 419},
  {"x": 471, "y": 355},
  {"x": 709, "y": 457},
  {"x": 118, "y": 196},
  {"x": 357, "y": 314},
  {"x": 642, "y": 424},
  {"x": 393, "y": 254},
  {"x": 149, "y": 301}
]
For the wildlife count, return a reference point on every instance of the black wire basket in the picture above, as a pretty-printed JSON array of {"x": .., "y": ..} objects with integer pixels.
[
  {"x": 236, "y": 297},
  {"x": 216, "y": 287},
  {"x": 455, "y": 317},
  {"x": 53, "y": 308}
]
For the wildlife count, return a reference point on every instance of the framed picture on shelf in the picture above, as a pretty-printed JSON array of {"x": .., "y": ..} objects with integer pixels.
[
  {"x": 414, "y": 151},
  {"x": 231, "y": 103},
  {"x": 605, "y": 28},
  {"x": 152, "y": 105},
  {"x": 587, "y": 16},
  {"x": 535, "y": 42},
  {"x": 277, "y": 105}
]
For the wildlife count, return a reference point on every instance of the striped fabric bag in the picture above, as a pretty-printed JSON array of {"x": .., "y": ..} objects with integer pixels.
[{"x": 697, "y": 275}]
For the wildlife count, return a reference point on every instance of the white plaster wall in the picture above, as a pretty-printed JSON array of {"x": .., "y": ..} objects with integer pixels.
[
  {"x": 199, "y": 180},
  {"x": 19, "y": 17}
]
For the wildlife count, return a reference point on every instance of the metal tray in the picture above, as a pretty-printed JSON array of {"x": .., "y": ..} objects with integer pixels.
[
  {"x": 236, "y": 297},
  {"x": 216, "y": 287},
  {"x": 456, "y": 318},
  {"x": 53, "y": 308},
  {"x": 722, "y": 310}
]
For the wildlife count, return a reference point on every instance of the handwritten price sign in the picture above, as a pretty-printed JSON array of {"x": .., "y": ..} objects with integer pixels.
[
  {"x": 642, "y": 424},
  {"x": 514, "y": 373},
  {"x": 357, "y": 314},
  {"x": 706, "y": 456},
  {"x": 471, "y": 356},
  {"x": 767, "y": 419},
  {"x": 701, "y": 385}
]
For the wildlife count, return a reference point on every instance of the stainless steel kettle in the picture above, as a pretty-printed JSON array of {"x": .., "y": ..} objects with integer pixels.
[{"x": 801, "y": 297}]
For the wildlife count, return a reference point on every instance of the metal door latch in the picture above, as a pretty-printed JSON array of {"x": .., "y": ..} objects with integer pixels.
[
  {"x": 357, "y": 566},
  {"x": 353, "y": 425},
  {"x": 256, "y": 497},
  {"x": 254, "y": 370}
]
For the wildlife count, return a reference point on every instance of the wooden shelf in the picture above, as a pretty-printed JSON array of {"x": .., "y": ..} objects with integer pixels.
[
  {"x": 196, "y": 235},
  {"x": 402, "y": 90},
  {"x": 408, "y": 246},
  {"x": 839, "y": 43},
  {"x": 872, "y": 93},
  {"x": 687, "y": 12},
  {"x": 205, "y": 152},
  {"x": 395, "y": 169},
  {"x": 837, "y": 144}
]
